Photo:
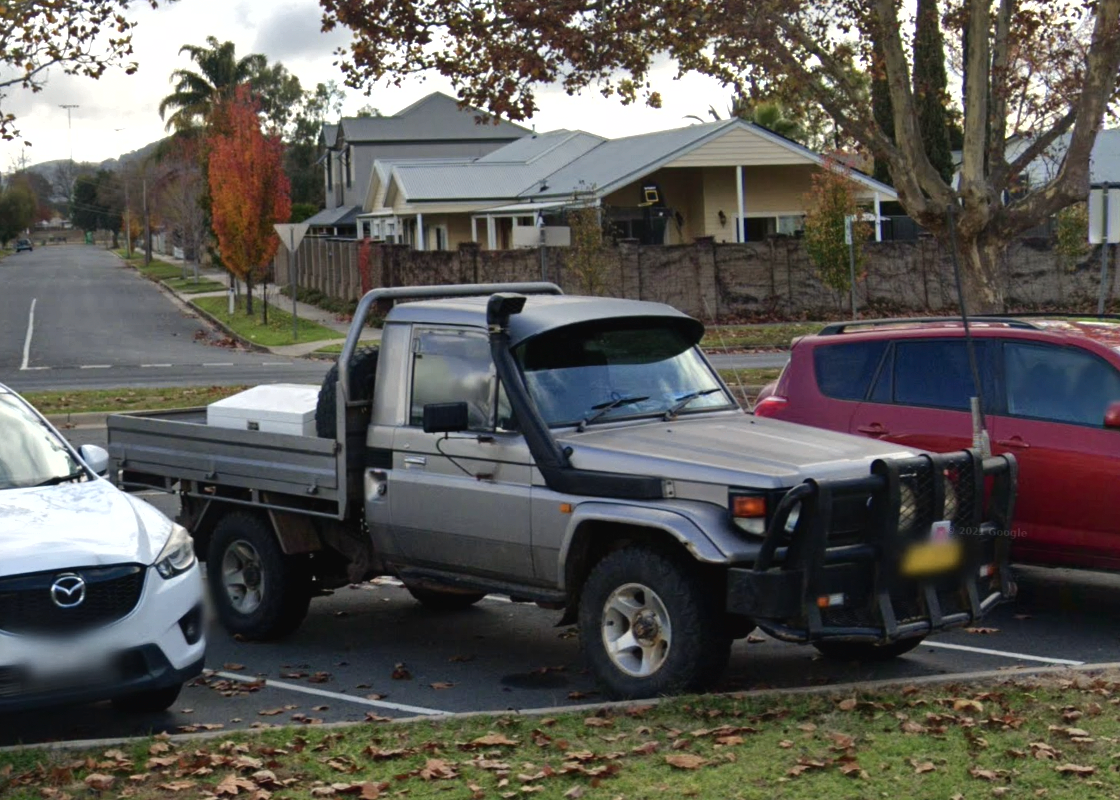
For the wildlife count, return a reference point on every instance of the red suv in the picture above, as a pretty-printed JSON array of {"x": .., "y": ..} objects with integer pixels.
[{"x": 1050, "y": 393}]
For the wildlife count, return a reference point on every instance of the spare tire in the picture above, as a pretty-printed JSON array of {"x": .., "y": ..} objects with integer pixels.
[{"x": 363, "y": 370}]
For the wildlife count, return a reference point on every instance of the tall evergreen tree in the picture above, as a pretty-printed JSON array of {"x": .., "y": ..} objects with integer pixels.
[{"x": 930, "y": 88}]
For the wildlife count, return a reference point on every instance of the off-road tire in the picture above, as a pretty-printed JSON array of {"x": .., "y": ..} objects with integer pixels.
[
  {"x": 363, "y": 370},
  {"x": 699, "y": 645},
  {"x": 867, "y": 651},
  {"x": 150, "y": 701},
  {"x": 438, "y": 600},
  {"x": 283, "y": 581}
]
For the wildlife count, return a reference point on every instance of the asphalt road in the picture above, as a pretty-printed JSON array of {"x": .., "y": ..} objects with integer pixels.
[
  {"x": 74, "y": 317},
  {"x": 500, "y": 656}
]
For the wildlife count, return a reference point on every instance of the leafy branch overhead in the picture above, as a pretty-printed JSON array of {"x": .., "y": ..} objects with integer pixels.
[
  {"x": 1035, "y": 71},
  {"x": 82, "y": 37}
]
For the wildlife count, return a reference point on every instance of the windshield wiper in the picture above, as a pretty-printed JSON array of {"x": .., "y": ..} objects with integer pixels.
[
  {"x": 57, "y": 479},
  {"x": 610, "y": 405},
  {"x": 685, "y": 400}
]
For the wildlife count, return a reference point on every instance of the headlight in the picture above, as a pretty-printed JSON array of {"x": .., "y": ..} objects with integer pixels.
[
  {"x": 748, "y": 512},
  {"x": 177, "y": 555}
]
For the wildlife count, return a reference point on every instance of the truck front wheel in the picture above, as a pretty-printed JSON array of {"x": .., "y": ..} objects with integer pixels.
[
  {"x": 650, "y": 627},
  {"x": 867, "y": 651},
  {"x": 259, "y": 592}
]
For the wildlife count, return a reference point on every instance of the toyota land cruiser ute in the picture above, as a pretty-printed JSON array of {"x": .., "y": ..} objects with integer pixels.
[{"x": 579, "y": 452}]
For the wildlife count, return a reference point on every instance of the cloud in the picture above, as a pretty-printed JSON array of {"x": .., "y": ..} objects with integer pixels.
[{"x": 294, "y": 32}]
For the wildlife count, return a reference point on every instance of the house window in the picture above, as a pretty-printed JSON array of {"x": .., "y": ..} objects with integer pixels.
[
  {"x": 441, "y": 237},
  {"x": 790, "y": 225},
  {"x": 349, "y": 158}
]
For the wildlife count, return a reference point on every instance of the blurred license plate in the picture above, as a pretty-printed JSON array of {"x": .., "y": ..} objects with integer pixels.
[{"x": 940, "y": 554}]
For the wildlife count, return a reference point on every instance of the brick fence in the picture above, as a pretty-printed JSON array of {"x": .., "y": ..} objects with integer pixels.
[{"x": 708, "y": 280}]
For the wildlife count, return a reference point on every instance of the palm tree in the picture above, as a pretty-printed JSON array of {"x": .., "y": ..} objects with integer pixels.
[
  {"x": 768, "y": 114},
  {"x": 197, "y": 93}
]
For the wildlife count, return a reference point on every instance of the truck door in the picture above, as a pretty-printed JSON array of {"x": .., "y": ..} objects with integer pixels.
[{"x": 460, "y": 502}]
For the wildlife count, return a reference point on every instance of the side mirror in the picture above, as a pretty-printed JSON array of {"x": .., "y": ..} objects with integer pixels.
[
  {"x": 446, "y": 417},
  {"x": 96, "y": 458},
  {"x": 1112, "y": 415}
]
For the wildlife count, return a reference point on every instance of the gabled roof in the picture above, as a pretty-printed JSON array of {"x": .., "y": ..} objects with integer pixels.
[
  {"x": 333, "y": 217},
  {"x": 560, "y": 164},
  {"x": 432, "y": 118},
  {"x": 329, "y": 135},
  {"x": 505, "y": 173}
]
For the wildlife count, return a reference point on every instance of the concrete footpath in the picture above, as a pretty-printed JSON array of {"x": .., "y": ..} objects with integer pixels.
[{"x": 304, "y": 311}]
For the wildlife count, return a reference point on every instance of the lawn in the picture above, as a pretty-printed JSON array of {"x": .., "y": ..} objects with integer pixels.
[
  {"x": 732, "y": 337},
  {"x": 190, "y": 286},
  {"x": 146, "y": 399},
  {"x": 276, "y": 333},
  {"x": 1046, "y": 737}
]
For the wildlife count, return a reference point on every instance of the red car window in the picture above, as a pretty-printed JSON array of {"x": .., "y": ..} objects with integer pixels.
[{"x": 1058, "y": 384}]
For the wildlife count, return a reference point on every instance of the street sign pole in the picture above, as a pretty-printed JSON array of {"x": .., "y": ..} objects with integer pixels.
[
  {"x": 850, "y": 241},
  {"x": 292, "y": 280},
  {"x": 290, "y": 236},
  {"x": 1104, "y": 248}
]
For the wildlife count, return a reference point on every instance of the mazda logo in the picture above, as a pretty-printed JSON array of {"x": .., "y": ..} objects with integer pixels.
[{"x": 68, "y": 590}]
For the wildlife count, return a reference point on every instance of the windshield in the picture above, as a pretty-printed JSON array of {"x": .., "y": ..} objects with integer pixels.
[
  {"x": 595, "y": 372},
  {"x": 30, "y": 453}
]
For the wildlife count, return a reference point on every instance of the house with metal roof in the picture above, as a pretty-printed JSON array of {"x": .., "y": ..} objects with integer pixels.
[
  {"x": 433, "y": 127},
  {"x": 731, "y": 180}
]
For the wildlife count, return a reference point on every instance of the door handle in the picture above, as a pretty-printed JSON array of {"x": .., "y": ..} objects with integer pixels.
[
  {"x": 874, "y": 429},
  {"x": 1014, "y": 441},
  {"x": 415, "y": 461}
]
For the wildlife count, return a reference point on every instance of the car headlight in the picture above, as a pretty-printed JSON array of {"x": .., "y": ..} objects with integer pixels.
[{"x": 177, "y": 555}]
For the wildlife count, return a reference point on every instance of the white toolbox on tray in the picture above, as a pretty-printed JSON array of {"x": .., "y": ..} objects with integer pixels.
[{"x": 272, "y": 408}]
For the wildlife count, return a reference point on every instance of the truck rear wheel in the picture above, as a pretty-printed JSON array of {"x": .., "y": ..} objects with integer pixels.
[
  {"x": 650, "y": 627},
  {"x": 259, "y": 592},
  {"x": 438, "y": 600},
  {"x": 363, "y": 370},
  {"x": 867, "y": 651}
]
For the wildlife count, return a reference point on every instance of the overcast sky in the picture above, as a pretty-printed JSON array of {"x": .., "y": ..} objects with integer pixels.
[{"x": 118, "y": 113}]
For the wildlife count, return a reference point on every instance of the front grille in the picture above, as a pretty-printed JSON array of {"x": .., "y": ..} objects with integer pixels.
[{"x": 26, "y": 605}]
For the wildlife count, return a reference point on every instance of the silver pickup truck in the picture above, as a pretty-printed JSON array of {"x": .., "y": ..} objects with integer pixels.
[{"x": 580, "y": 453}]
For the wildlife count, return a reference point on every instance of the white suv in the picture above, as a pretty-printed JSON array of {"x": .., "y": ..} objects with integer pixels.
[{"x": 100, "y": 593}]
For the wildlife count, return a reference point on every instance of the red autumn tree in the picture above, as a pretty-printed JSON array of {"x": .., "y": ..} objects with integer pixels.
[{"x": 248, "y": 187}]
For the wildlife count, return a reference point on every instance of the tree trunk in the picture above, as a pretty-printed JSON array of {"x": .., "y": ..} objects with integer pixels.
[
  {"x": 980, "y": 278},
  {"x": 249, "y": 295}
]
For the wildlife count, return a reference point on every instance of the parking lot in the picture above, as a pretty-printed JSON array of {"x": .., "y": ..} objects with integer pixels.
[{"x": 370, "y": 651}]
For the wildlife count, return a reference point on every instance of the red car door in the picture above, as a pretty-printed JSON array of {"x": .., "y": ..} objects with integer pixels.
[
  {"x": 1069, "y": 463},
  {"x": 921, "y": 397}
]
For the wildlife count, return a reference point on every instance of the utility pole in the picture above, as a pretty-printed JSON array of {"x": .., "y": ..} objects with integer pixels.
[{"x": 70, "y": 136}]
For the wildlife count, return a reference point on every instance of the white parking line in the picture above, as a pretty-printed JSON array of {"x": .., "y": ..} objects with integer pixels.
[
  {"x": 294, "y": 687},
  {"x": 143, "y": 366},
  {"x": 27, "y": 339},
  {"x": 219, "y": 364},
  {"x": 1002, "y": 653},
  {"x": 96, "y": 366}
]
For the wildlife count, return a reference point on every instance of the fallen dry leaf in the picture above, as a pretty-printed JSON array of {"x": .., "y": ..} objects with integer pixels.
[
  {"x": 176, "y": 786},
  {"x": 964, "y": 704},
  {"x": 982, "y": 631},
  {"x": 98, "y": 782},
  {"x": 1074, "y": 769},
  {"x": 436, "y": 769},
  {"x": 233, "y": 667},
  {"x": 494, "y": 740},
  {"x": 574, "y": 793},
  {"x": 441, "y": 685},
  {"x": 985, "y": 774},
  {"x": 921, "y": 767},
  {"x": 848, "y": 704},
  {"x": 598, "y": 722},
  {"x": 686, "y": 761}
]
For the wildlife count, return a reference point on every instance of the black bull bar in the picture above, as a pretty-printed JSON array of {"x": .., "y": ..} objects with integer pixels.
[{"x": 817, "y": 582}]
